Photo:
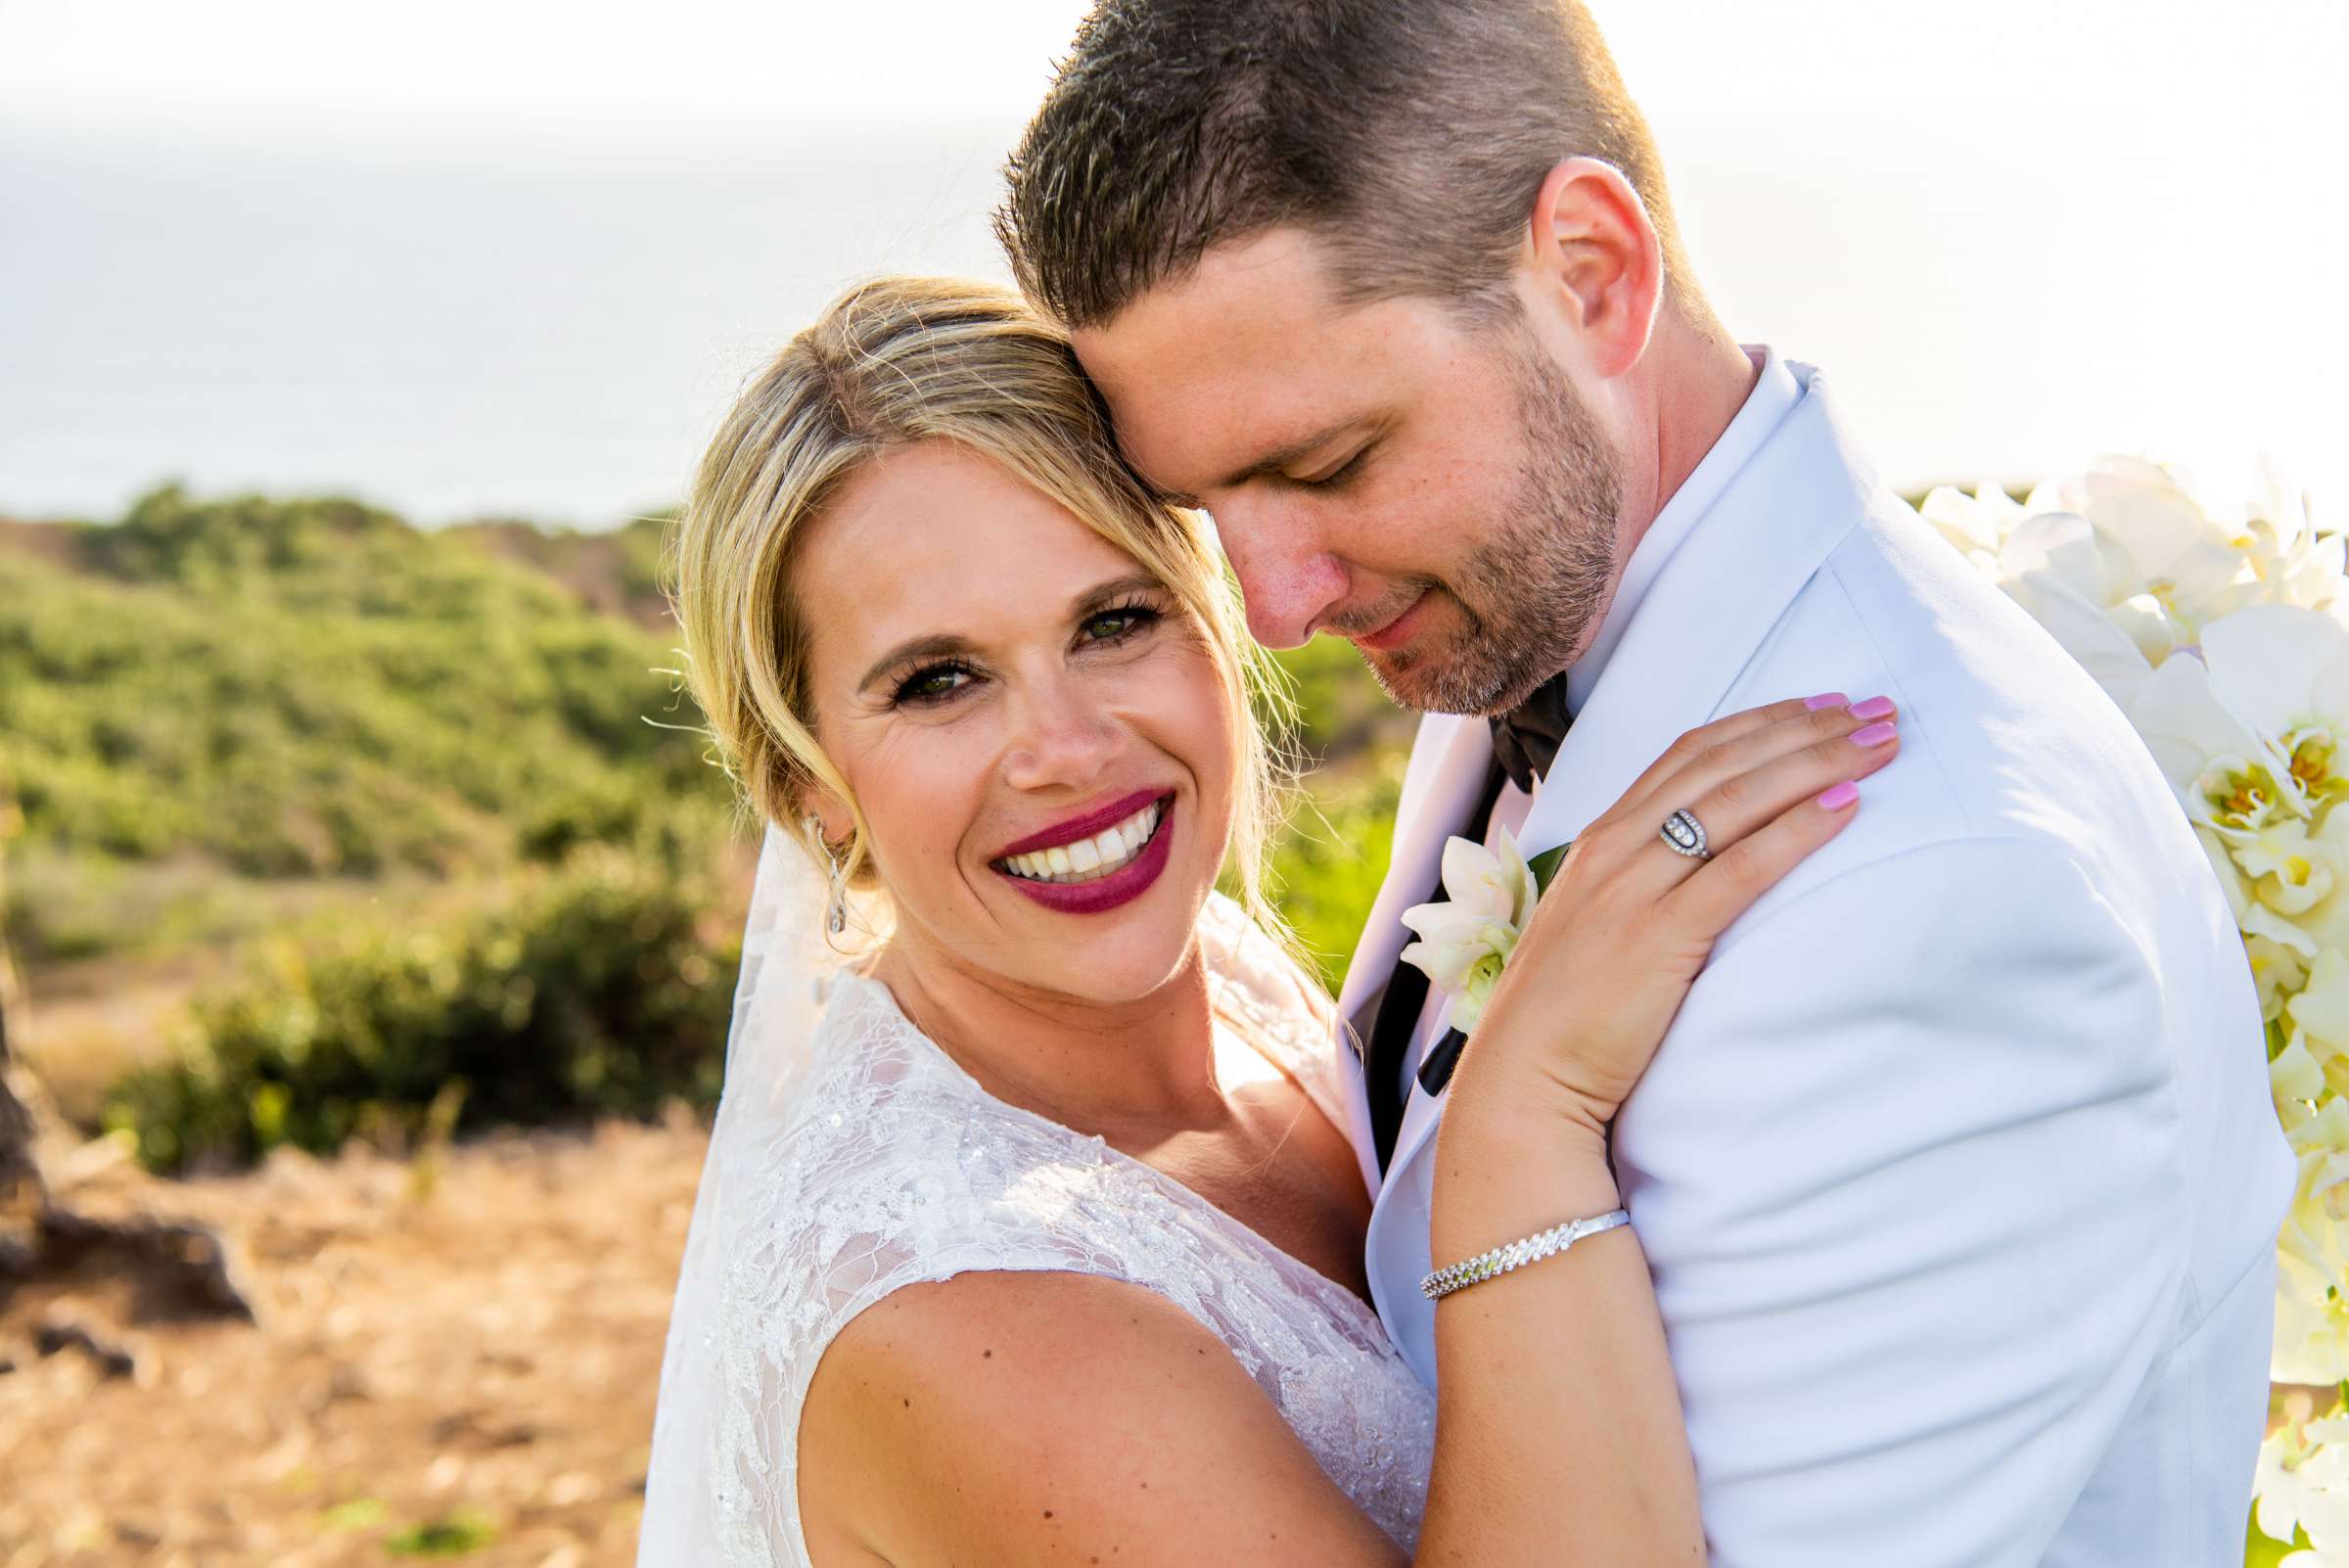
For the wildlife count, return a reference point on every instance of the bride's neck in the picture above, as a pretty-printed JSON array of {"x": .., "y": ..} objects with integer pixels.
[{"x": 1091, "y": 1065}]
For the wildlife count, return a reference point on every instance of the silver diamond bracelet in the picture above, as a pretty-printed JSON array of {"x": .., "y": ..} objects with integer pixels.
[{"x": 1517, "y": 1253}]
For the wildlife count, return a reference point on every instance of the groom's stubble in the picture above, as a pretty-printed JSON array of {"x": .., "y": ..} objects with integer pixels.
[{"x": 1532, "y": 590}]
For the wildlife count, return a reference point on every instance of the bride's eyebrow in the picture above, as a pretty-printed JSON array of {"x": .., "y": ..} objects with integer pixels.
[
  {"x": 938, "y": 645},
  {"x": 1095, "y": 599}
]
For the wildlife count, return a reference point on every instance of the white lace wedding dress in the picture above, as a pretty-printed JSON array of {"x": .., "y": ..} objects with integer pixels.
[{"x": 889, "y": 1166}]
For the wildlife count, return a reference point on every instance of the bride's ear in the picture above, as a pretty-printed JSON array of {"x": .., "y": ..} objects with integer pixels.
[{"x": 822, "y": 812}]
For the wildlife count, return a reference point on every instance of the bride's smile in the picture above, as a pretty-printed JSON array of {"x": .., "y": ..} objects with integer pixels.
[{"x": 1097, "y": 860}]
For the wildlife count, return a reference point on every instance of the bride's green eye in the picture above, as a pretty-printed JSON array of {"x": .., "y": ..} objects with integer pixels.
[
  {"x": 1114, "y": 625},
  {"x": 932, "y": 684}
]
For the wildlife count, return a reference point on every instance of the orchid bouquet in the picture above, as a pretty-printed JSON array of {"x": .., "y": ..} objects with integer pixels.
[{"x": 2223, "y": 634}]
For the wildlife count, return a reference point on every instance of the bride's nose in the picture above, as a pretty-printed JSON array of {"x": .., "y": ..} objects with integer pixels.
[{"x": 1061, "y": 736}]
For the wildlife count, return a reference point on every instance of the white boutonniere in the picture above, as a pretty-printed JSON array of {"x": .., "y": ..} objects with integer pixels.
[{"x": 1465, "y": 941}]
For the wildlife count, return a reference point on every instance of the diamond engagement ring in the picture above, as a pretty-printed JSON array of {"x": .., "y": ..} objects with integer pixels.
[{"x": 1685, "y": 835}]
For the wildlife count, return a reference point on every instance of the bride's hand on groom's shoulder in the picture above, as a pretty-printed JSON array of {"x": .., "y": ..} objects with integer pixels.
[{"x": 1627, "y": 923}]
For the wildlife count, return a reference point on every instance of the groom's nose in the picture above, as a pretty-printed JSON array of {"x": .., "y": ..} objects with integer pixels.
[{"x": 1287, "y": 579}]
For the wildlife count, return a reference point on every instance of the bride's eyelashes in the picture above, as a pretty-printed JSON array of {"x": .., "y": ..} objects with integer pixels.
[
  {"x": 940, "y": 681},
  {"x": 931, "y": 684},
  {"x": 1119, "y": 624}
]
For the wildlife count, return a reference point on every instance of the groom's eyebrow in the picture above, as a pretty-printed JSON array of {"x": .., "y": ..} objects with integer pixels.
[{"x": 1271, "y": 462}]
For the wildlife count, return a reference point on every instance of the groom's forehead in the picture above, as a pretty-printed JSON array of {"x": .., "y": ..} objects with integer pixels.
[{"x": 1245, "y": 355}]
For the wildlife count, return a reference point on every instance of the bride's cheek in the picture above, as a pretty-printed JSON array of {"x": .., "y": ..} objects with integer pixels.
[
  {"x": 1205, "y": 726},
  {"x": 923, "y": 785}
]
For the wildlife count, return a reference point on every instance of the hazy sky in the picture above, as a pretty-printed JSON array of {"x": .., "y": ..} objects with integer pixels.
[
  {"x": 552, "y": 62},
  {"x": 2016, "y": 232}
]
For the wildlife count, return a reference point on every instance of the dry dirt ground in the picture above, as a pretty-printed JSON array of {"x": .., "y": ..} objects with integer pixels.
[{"x": 457, "y": 1356}]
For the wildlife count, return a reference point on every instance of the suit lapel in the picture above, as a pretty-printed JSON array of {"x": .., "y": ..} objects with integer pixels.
[
  {"x": 1710, "y": 608},
  {"x": 1448, "y": 759}
]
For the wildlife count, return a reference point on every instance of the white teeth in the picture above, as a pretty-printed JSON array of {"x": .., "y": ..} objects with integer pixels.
[{"x": 1088, "y": 860}]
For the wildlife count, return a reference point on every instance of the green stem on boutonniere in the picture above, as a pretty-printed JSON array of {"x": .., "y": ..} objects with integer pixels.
[{"x": 1544, "y": 866}]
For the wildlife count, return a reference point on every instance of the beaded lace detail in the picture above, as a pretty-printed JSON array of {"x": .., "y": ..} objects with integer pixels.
[{"x": 891, "y": 1167}]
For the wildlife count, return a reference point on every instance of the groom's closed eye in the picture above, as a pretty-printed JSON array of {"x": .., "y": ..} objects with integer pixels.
[{"x": 1340, "y": 474}]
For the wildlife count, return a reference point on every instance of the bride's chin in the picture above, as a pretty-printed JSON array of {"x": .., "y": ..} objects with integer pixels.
[{"x": 1123, "y": 957}]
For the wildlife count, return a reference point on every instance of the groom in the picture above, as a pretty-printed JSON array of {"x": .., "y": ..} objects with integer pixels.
[{"x": 1957, "y": 1171}]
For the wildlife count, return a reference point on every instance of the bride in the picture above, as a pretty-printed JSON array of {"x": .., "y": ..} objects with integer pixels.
[{"x": 1028, "y": 1232}]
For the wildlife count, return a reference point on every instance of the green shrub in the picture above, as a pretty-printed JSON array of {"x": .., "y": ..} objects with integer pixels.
[
  {"x": 1327, "y": 863},
  {"x": 597, "y": 989},
  {"x": 1341, "y": 712}
]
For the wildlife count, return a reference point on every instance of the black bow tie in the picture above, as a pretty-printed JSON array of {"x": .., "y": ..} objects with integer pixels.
[{"x": 1526, "y": 738}]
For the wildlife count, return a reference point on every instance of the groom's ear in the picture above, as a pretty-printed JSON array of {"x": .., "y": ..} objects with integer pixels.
[{"x": 1593, "y": 263}]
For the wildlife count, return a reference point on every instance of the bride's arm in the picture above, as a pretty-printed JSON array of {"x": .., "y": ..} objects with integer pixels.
[
  {"x": 1575, "y": 1343},
  {"x": 1000, "y": 1419}
]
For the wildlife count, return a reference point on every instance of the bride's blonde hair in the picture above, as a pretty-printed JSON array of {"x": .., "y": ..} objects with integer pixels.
[{"x": 889, "y": 364}]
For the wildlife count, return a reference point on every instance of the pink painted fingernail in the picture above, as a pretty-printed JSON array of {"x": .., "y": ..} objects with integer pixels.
[
  {"x": 1873, "y": 707},
  {"x": 1840, "y": 795},
  {"x": 1825, "y": 699},
  {"x": 1875, "y": 734}
]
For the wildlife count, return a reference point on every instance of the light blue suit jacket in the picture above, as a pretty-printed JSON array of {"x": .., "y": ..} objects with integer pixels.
[{"x": 1957, "y": 1171}]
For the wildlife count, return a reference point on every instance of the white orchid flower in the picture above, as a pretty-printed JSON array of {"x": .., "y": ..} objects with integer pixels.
[
  {"x": 2156, "y": 538},
  {"x": 2311, "y": 1236},
  {"x": 1465, "y": 941},
  {"x": 2297, "y": 564},
  {"x": 2284, "y": 670},
  {"x": 2312, "y": 1326},
  {"x": 1977, "y": 524},
  {"x": 2323, "y": 923},
  {"x": 2291, "y": 873},
  {"x": 2279, "y": 969},
  {"x": 2296, "y": 1081},
  {"x": 2223, "y": 770},
  {"x": 2302, "y": 1483},
  {"x": 2123, "y": 565}
]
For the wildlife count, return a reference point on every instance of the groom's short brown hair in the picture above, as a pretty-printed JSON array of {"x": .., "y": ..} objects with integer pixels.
[{"x": 1412, "y": 135}]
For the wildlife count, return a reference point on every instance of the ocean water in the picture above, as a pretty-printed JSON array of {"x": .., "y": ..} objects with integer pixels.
[{"x": 551, "y": 327}]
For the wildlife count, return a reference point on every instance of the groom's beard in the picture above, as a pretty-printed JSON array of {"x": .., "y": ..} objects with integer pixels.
[{"x": 1532, "y": 588}]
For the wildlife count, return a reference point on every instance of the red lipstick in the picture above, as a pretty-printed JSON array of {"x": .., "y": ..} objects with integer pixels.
[
  {"x": 1123, "y": 885},
  {"x": 1080, "y": 827}
]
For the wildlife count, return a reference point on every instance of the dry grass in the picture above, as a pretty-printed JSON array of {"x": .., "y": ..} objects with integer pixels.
[{"x": 461, "y": 1349}]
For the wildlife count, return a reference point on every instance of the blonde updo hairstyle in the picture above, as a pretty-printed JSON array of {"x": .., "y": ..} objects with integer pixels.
[{"x": 887, "y": 364}]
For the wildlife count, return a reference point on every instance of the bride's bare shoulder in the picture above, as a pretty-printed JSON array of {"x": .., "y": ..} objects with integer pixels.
[{"x": 1017, "y": 1417}]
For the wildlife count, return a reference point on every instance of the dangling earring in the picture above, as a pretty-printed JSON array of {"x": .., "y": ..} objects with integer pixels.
[{"x": 836, "y": 918}]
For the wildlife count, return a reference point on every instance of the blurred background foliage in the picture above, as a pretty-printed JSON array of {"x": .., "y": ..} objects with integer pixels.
[{"x": 336, "y": 827}]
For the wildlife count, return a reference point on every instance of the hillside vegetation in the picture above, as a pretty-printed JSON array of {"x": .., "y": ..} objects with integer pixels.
[
  {"x": 431, "y": 809},
  {"x": 314, "y": 688}
]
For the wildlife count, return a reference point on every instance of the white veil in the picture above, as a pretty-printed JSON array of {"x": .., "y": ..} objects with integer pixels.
[{"x": 777, "y": 1003}]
